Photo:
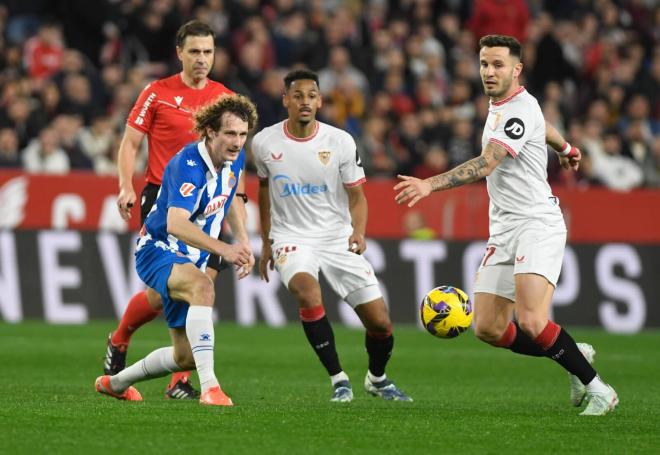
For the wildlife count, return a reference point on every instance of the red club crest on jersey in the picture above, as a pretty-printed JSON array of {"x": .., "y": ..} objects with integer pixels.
[
  {"x": 186, "y": 189},
  {"x": 324, "y": 156}
]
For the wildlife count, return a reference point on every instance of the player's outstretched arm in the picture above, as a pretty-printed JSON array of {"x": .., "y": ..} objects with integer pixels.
[
  {"x": 357, "y": 205},
  {"x": 130, "y": 143},
  {"x": 179, "y": 225},
  {"x": 412, "y": 189},
  {"x": 569, "y": 156},
  {"x": 266, "y": 259}
]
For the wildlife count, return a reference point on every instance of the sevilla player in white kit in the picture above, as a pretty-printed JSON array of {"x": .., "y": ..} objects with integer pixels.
[
  {"x": 523, "y": 259},
  {"x": 313, "y": 218}
]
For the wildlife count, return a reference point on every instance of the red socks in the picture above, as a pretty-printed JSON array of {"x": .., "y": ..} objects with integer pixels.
[{"x": 138, "y": 312}]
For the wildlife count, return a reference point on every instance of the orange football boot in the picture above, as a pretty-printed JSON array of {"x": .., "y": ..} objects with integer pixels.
[
  {"x": 215, "y": 397},
  {"x": 102, "y": 385}
]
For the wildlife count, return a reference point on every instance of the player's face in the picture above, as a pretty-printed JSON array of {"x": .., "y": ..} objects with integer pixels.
[
  {"x": 302, "y": 100},
  {"x": 226, "y": 144},
  {"x": 196, "y": 56},
  {"x": 498, "y": 69}
]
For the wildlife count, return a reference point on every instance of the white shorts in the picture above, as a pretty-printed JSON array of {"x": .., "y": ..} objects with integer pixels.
[
  {"x": 532, "y": 247},
  {"x": 350, "y": 275}
]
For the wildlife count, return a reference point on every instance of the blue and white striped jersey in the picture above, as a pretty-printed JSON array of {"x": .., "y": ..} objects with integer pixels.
[{"x": 191, "y": 182}]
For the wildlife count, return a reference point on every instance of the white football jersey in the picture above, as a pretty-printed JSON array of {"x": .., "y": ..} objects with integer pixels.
[
  {"x": 518, "y": 187},
  {"x": 307, "y": 176}
]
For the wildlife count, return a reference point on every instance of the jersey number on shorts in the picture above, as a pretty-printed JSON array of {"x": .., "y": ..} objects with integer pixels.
[{"x": 489, "y": 252}]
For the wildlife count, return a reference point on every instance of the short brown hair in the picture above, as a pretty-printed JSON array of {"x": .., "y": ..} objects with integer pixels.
[
  {"x": 210, "y": 115},
  {"x": 502, "y": 41},
  {"x": 193, "y": 28}
]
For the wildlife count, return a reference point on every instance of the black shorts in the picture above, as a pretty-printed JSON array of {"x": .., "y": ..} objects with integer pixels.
[{"x": 147, "y": 201}]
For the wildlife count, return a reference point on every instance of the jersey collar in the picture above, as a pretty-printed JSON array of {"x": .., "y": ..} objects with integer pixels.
[
  {"x": 300, "y": 139},
  {"x": 201, "y": 147},
  {"x": 506, "y": 100}
]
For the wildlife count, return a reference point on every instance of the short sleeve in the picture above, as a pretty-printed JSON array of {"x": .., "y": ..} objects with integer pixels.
[
  {"x": 350, "y": 167},
  {"x": 257, "y": 155},
  {"x": 183, "y": 184},
  {"x": 142, "y": 114}
]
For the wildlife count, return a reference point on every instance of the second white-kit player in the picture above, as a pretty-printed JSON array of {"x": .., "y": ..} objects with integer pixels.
[
  {"x": 520, "y": 269},
  {"x": 313, "y": 216}
]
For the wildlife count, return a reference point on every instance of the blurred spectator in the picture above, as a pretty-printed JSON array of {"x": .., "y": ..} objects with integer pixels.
[
  {"x": 651, "y": 165},
  {"x": 502, "y": 17},
  {"x": 339, "y": 68},
  {"x": 415, "y": 226},
  {"x": 44, "y": 155},
  {"x": 608, "y": 165},
  {"x": 9, "y": 152},
  {"x": 375, "y": 148},
  {"x": 43, "y": 52},
  {"x": 67, "y": 127},
  {"x": 96, "y": 139}
]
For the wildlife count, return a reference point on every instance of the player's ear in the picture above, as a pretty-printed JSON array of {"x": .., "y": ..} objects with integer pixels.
[
  {"x": 517, "y": 69},
  {"x": 179, "y": 53},
  {"x": 320, "y": 104}
]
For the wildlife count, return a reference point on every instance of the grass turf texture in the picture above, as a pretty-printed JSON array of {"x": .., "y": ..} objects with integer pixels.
[{"x": 469, "y": 397}]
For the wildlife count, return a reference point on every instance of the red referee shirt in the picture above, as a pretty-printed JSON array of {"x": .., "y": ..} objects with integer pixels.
[{"x": 163, "y": 112}]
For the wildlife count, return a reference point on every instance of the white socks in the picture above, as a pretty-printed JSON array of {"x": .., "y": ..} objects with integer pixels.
[
  {"x": 374, "y": 379},
  {"x": 199, "y": 329},
  {"x": 155, "y": 365},
  {"x": 341, "y": 376},
  {"x": 597, "y": 386}
]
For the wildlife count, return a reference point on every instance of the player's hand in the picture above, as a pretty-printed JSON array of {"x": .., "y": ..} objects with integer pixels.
[
  {"x": 266, "y": 261},
  {"x": 245, "y": 270},
  {"x": 572, "y": 159},
  {"x": 125, "y": 202},
  {"x": 411, "y": 189},
  {"x": 238, "y": 254},
  {"x": 356, "y": 243}
]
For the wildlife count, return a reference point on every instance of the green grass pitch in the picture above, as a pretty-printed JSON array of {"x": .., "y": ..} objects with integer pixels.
[{"x": 469, "y": 397}]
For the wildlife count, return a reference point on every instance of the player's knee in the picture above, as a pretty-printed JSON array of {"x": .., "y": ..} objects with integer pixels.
[
  {"x": 487, "y": 333},
  {"x": 531, "y": 325},
  {"x": 307, "y": 297},
  {"x": 203, "y": 292}
]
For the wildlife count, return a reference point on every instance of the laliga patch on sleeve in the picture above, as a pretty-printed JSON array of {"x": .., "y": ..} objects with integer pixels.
[
  {"x": 186, "y": 189},
  {"x": 514, "y": 128}
]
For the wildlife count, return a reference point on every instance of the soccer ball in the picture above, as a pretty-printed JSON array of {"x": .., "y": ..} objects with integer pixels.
[{"x": 446, "y": 312}]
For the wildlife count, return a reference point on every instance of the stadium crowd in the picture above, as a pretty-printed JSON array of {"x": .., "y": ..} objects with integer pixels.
[{"x": 401, "y": 76}]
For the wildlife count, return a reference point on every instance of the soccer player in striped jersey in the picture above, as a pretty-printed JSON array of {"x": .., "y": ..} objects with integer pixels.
[
  {"x": 313, "y": 218},
  {"x": 525, "y": 250},
  {"x": 181, "y": 230},
  {"x": 163, "y": 114}
]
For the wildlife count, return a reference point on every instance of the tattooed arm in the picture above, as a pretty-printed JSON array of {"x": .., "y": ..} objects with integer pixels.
[{"x": 413, "y": 189}]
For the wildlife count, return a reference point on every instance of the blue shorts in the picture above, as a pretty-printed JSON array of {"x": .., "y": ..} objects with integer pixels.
[{"x": 154, "y": 265}]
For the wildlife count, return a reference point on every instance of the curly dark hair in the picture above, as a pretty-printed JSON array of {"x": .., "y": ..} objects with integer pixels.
[
  {"x": 210, "y": 116},
  {"x": 502, "y": 41}
]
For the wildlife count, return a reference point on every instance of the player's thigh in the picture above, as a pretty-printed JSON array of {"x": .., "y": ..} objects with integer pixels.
[
  {"x": 182, "y": 351},
  {"x": 291, "y": 258},
  {"x": 540, "y": 250},
  {"x": 154, "y": 299},
  {"x": 350, "y": 275},
  {"x": 189, "y": 284},
  {"x": 492, "y": 314}
]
